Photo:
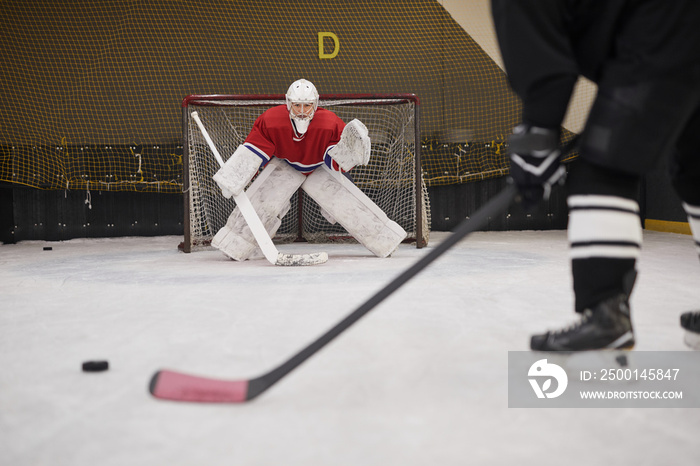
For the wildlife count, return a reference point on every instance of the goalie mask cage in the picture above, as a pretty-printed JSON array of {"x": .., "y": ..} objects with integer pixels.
[{"x": 392, "y": 179}]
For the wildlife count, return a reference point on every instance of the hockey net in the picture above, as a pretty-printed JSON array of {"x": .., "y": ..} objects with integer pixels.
[{"x": 392, "y": 179}]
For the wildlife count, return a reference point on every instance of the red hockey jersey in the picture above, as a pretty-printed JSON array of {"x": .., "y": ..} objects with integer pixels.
[{"x": 274, "y": 136}]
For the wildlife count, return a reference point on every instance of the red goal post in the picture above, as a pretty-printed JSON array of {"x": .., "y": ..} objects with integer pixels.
[{"x": 393, "y": 178}]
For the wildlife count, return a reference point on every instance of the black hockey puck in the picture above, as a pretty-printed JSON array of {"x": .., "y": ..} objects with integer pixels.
[
  {"x": 95, "y": 366},
  {"x": 47, "y": 248}
]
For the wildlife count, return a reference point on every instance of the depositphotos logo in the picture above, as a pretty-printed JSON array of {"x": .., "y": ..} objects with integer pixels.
[{"x": 547, "y": 372}]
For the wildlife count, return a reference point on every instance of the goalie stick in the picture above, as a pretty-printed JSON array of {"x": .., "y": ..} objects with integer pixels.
[
  {"x": 256, "y": 226},
  {"x": 177, "y": 386}
]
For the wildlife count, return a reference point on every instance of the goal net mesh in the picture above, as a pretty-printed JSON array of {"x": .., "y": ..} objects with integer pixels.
[{"x": 392, "y": 178}]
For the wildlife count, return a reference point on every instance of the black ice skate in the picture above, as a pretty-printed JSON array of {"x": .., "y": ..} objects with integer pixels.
[
  {"x": 690, "y": 321},
  {"x": 605, "y": 326}
]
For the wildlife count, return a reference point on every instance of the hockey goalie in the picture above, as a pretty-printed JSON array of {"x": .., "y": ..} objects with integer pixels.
[{"x": 302, "y": 145}]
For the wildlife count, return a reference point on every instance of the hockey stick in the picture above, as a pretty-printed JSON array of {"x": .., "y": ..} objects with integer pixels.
[
  {"x": 256, "y": 226},
  {"x": 173, "y": 385}
]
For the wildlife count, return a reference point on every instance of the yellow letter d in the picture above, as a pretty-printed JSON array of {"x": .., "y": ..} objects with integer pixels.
[{"x": 336, "y": 44}]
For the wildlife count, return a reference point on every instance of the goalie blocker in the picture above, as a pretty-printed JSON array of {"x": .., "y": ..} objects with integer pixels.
[{"x": 238, "y": 170}]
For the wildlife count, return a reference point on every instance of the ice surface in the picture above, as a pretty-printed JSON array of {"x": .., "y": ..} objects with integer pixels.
[{"x": 421, "y": 380}]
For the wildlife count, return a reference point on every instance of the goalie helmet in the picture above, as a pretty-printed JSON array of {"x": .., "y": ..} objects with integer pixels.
[{"x": 302, "y": 92}]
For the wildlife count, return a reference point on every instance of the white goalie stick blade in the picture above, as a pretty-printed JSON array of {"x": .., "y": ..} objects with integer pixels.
[
  {"x": 265, "y": 242},
  {"x": 256, "y": 226}
]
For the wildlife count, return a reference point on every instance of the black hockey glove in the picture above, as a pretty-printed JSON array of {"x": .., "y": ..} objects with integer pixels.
[{"x": 535, "y": 163}]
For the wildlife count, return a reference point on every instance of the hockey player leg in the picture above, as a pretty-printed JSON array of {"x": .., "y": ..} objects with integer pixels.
[
  {"x": 269, "y": 194},
  {"x": 605, "y": 239},
  {"x": 356, "y": 212},
  {"x": 690, "y": 321},
  {"x": 685, "y": 176}
]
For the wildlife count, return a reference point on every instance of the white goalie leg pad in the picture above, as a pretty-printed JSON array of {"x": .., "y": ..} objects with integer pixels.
[
  {"x": 238, "y": 170},
  {"x": 354, "y": 147},
  {"x": 269, "y": 194},
  {"x": 356, "y": 212}
]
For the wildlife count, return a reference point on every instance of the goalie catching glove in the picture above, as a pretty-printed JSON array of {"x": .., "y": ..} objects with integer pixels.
[
  {"x": 535, "y": 163},
  {"x": 354, "y": 147},
  {"x": 238, "y": 170}
]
